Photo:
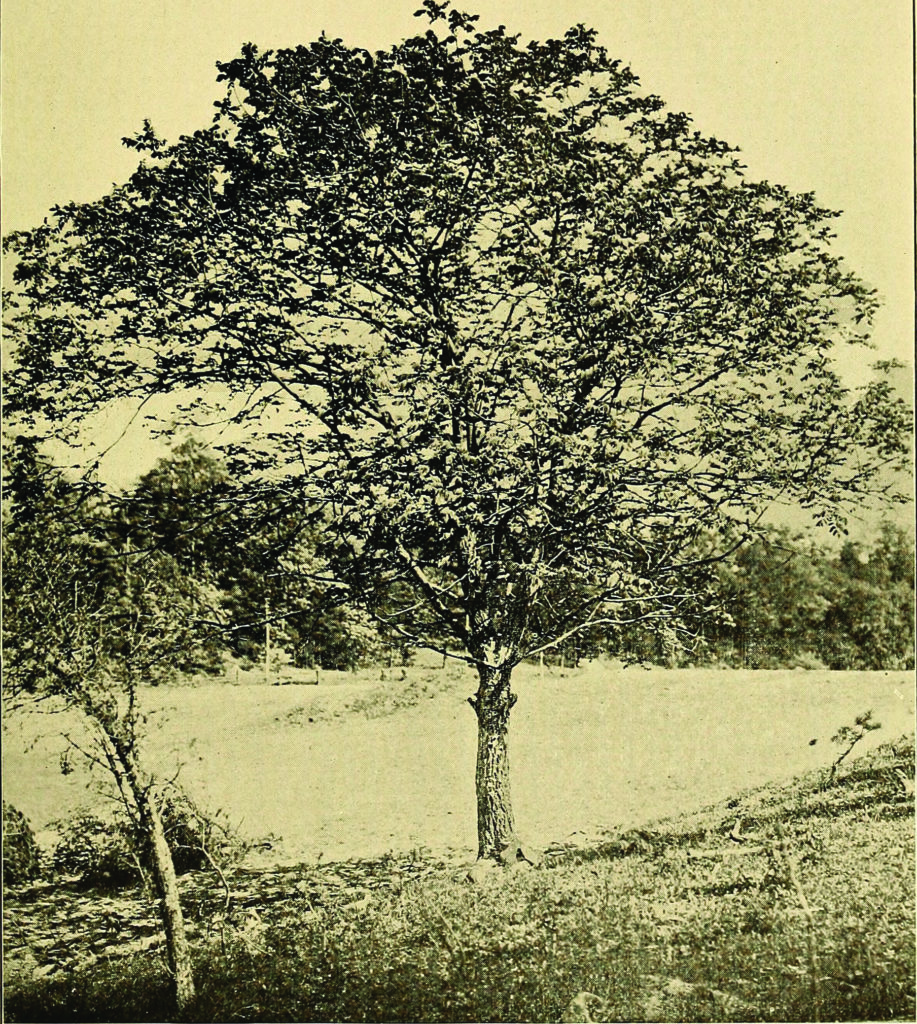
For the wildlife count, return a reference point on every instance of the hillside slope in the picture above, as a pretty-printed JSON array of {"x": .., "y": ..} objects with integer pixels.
[{"x": 784, "y": 902}]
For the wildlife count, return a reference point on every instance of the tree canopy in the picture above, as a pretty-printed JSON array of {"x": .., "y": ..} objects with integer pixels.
[{"x": 518, "y": 335}]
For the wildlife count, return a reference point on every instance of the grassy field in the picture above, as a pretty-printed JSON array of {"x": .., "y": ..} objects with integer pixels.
[
  {"x": 346, "y": 769},
  {"x": 782, "y": 903}
]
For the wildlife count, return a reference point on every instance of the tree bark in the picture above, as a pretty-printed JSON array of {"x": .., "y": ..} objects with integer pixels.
[
  {"x": 177, "y": 949},
  {"x": 178, "y": 952},
  {"x": 492, "y": 704}
]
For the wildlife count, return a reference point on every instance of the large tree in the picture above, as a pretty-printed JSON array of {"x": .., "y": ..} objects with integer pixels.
[{"x": 515, "y": 332}]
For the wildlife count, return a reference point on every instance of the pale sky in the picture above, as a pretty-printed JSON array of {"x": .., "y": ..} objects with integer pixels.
[{"x": 816, "y": 93}]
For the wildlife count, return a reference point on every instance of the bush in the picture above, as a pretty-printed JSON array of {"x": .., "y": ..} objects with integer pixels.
[
  {"x": 111, "y": 852},
  {"x": 99, "y": 852},
  {"x": 399, "y": 696},
  {"x": 21, "y": 856},
  {"x": 190, "y": 831}
]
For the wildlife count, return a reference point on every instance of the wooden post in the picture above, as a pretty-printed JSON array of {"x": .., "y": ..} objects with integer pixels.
[{"x": 267, "y": 640}]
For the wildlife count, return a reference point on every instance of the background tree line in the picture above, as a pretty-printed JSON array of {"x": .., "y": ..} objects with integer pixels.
[
  {"x": 789, "y": 600},
  {"x": 784, "y": 600}
]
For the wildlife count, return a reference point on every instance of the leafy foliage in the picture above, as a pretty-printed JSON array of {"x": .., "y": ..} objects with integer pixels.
[
  {"x": 198, "y": 838},
  {"x": 97, "y": 851},
  {"x": 110, "y": 853},
  {"x": 519, "y": 327},
  {"x": 87, "y": 619},
  {"x": 870, "y": 624},
  {"x": 785, "y": 600},
  {"x": 792, "y": 602},
  {"x": 21, "y": 855}
]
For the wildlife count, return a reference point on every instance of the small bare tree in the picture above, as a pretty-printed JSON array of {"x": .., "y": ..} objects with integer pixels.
[{"x": 85, "y": 628}]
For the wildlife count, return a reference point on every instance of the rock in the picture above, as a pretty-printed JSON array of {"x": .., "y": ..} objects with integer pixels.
[
  {"x": 481, "y": 870},
  {"x": 584, "y": 1008}
]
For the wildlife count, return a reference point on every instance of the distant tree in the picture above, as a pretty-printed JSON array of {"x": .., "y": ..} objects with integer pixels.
[
  {"x": 775, "y": 594},
  {"x": 789, "y": 600},
  {"x": 184, "y": 506},
  {"x": 258, "y": 553},
  {"x": 335, "y": 636},
  {"x": 508, "y": 327},
  {"x": 86, "y": 627},
  {"x": 187, "y": 507},
  {"x": 870, "y": 622}
]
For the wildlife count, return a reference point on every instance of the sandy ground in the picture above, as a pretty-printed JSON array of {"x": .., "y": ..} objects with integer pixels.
[{"x": 590, "y": 749}]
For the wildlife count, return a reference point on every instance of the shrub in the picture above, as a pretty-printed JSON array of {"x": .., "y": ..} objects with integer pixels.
[
  {"x": 110, "y": 852},
  {"x": 190, "y": 832},
  {"x": 100, "y": 852},
  {"x": 21, "y": 856},
  {"x": 399, "y": 696}
]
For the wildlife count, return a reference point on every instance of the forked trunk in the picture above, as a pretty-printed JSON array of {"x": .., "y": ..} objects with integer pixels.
[{"x": 492, "y": 704}]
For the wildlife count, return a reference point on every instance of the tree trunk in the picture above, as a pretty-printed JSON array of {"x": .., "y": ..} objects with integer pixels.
[
  {"x": 492, "y": 703},
  {"x": 178, "y": 952},
  {"x": 177, "y": 948}
]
